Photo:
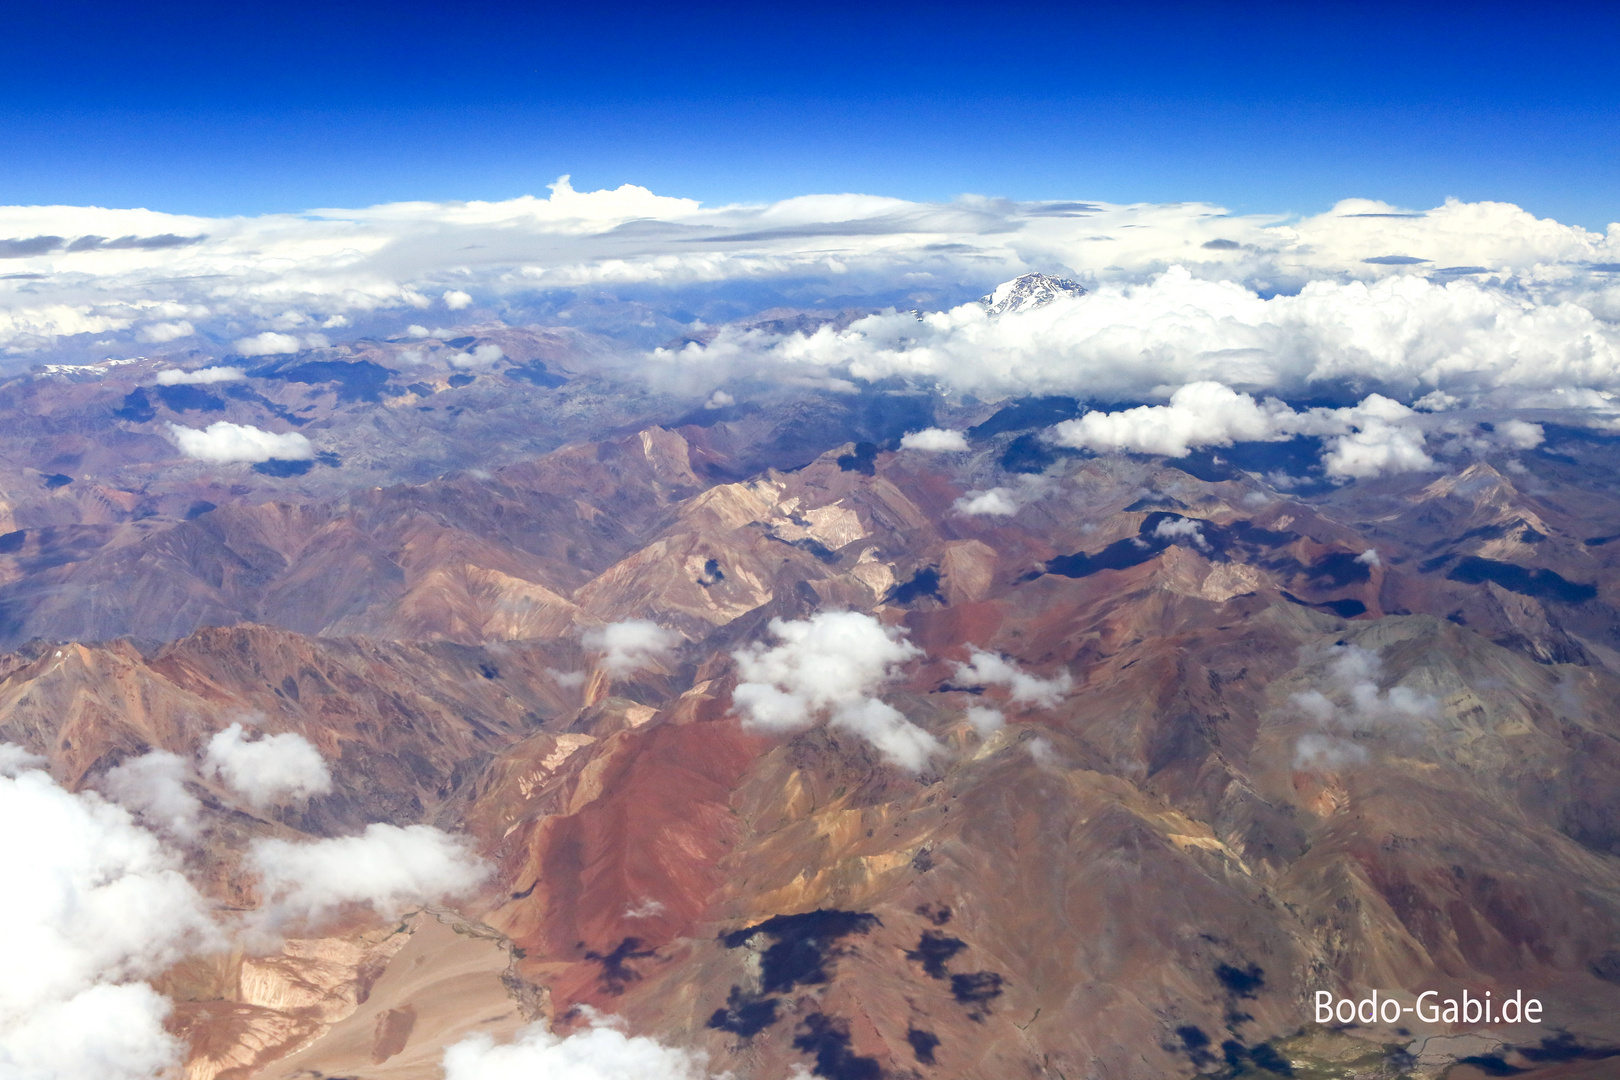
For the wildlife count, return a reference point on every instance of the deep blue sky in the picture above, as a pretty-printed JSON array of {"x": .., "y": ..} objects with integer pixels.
[{"x": 1285, "y": 108}]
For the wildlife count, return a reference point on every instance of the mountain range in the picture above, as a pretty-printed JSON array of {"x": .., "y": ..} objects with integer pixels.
[{"x": 1114, "y": 760}]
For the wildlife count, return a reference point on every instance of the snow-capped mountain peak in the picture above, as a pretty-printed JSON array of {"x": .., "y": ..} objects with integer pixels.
[{"x": 1028, "y": 292}]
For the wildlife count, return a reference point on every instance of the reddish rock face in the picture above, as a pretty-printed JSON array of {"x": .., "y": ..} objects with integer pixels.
[{"x": 1146, "y": 874}]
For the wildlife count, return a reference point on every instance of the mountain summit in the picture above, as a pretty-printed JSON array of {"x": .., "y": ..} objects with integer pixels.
[{"x": 1028, "y": 292}]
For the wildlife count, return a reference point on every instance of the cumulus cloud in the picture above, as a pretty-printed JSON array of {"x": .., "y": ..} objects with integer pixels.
[
  {"x": 645, "y": 909},
  {"x": 269, "y": 771},
  {"x": 934, "y": 440},
  {"x": 1199, "y": 414},
  {"x": 1377, "y": 442},
  {"x": 268, "y": 343},
  {"x": 14, "y": 759},
  {"x": 223, "y": 442},
  {"x": 600, "y": 1052},
  {"x": 719, "y": 400},
  {"x": 986, "y": 720},
  {"x": 1403, "y": 334},
  {"x": 569, "y": 680},
  {"x": 387, "y": 867},
  {"x": 1002, "y": 501},
  {"x": 631, "y": 645},
  {"x": 1350, "y": 704},
  {"x": 1178, "y": 529},
  {"x": 1460, "y": 266},
  {"x": 1372, "y": 438},
  {"x": 154, "y": 786},
  {"x": 159, "y": 332},
  {"x": 178, "y": 376},
  {"x": 1318, "y": 751},
  {"x": 1042, "y": 751},
  {"x": 994, "y": 502},
  {"x": 1370, "y": 558},
  {"x": 93, "y": 905},
  {"x": 991, "y": 669},
  {"x": 455, "y": 300},
  {"x": 831, "y": 665},
  {"x": 480, "y": 359},
  {"x": 1521, "y": 434}
]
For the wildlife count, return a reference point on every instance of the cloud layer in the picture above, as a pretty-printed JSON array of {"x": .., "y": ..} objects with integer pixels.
[
  {"x": 1403, "y": 334},
  {"x": 1461, "y": 293}
]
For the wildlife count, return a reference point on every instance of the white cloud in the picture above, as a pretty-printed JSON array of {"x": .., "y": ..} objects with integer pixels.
[
  {"x": 93, "y": 904},
  {"x": 1369, "y": 558},
  {"x": 990, "y": 669},
  {"x": 719, "y": 400},
  {"x": 1436, "y": 401},
  {"x": 1350, "y": 703},
  {"x": 645, "y": 909},
  {"x": 985, "y": 720},
  {"x": 1372, "y": 438},
  {"x": 832, "y": 664},
  {"x": 1173, "y": 529},
  {"x": 631, "y": 645},
  {"x": 600, "y": 1052},
  {"x": 1317, "y": 751},
  {"x": 179, "y": 376},
  {"x": 387, "y": 867},
  {"x": 159, "y": 332},
  {"x": 270, "y": 771},
  {"x": 996, "y": 501},
  {"x": 480, "y": 359},
  {"x": 569, "y": 680},
  {"x": 223, "y": 442},
  {"x": 268, "y": 343},
  {"x": 455, "y": 300},
  {"x": 154, "y": 786},
  {"x": 417, "y": 330},
  {"x": 934, "y": 440},
  {"x": 14, "y": 759},
  {"x": 1199, "y": 414},
  {"x": 1042, "y": 751},
  {"x": 1124, "y": 339},
  {"x": 284, "y": 270},
  {"x": 1521, "y": 435},
  {"x": 1377, "y": 448}
]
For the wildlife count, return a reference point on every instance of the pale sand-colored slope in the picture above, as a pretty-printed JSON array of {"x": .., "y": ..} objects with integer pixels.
[{"x": 444, "y": 985}]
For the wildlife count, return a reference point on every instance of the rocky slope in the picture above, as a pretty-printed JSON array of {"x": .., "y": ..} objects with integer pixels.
[{"x": 1362, "y": 736}]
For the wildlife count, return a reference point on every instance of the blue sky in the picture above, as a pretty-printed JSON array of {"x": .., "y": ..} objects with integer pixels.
[{"x": 1265, "y": 108}]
